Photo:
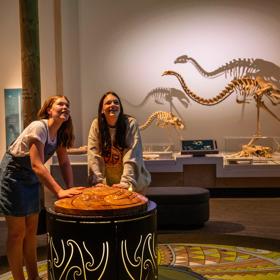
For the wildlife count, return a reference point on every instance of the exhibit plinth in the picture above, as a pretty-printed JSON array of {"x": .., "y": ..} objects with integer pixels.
[{"x": 98, "y": 247}]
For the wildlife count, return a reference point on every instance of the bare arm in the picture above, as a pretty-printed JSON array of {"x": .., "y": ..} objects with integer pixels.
[
  {"x": 65, "y": 166},
  {"x": 36, "y": 153}
]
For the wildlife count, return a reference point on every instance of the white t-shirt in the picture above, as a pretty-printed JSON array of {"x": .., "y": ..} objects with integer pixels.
[{"x": 36, "y": 130}]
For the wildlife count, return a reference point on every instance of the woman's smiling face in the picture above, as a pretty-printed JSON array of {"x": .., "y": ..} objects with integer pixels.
[{"x": 111, "y": 109}]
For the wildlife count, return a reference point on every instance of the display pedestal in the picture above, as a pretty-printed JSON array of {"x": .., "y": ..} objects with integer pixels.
[{"x": 95, "y": 247}]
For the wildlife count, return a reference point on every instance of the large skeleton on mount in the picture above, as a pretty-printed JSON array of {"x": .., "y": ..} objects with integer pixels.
[
  {"x": 238, "y": 68},
  {"x": 257, "y": 88}
]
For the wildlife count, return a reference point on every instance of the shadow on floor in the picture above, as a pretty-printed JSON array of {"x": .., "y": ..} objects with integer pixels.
[
  {"x": 221, "y": 239},
  {"x": 219, "y": 227}
]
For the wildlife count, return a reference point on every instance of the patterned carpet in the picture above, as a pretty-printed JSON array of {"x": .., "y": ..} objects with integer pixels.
[
  {"x": 222, "y": 262},
  {"x": 213, "y": 262}
]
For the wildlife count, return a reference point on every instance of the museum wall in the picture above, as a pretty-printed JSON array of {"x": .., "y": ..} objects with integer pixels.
[
  {"x": 10, "y": 54},
  {"x": 10, "y": 71},
  {"x": 125, "y": 46},
  {"x": 10, "y": 57}
]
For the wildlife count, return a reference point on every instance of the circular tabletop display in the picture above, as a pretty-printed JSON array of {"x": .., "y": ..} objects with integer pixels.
[{"x": 102, "y": 201}]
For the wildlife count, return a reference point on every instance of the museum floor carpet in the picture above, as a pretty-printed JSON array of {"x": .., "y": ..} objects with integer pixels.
[
  {"x": 221, "y": 261},
  {"x": 208, "y": 261}
]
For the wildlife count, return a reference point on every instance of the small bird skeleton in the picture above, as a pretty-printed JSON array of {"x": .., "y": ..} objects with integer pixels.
[{"x": 163, "y": 119}]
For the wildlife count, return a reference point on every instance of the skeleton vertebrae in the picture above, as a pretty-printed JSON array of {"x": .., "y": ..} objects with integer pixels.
[
  {"x": 238, "y": 68},
  {"x": 245, "y": 86},
  {"x": 163, "y": 119}
]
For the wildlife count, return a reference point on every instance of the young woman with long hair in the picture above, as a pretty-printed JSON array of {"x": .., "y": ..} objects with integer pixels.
[
  {"x": 22, "y": 172},
  {"x": 115, "y": 148}
]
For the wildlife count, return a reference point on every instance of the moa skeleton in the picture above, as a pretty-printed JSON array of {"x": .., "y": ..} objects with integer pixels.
[
  {"x": 163, "y": 120},
  {"x": 238, "y": 68},
  {"x": 256, "y": 88},
  {"x": 246, "y": 87}
]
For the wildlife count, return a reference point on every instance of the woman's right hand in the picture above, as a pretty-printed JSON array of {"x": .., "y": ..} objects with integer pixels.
[
  {"x": 100, "y": 185},
  {"x": 69, "y": 192}
]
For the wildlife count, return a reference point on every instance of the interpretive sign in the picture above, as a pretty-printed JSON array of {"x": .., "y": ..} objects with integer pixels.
[{"x": 13, "y": 120}]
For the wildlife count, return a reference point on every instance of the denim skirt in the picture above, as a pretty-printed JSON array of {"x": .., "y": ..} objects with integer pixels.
[{"x": 19, "y": 187}]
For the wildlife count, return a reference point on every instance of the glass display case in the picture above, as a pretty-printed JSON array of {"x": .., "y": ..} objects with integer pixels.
[
  {"x": 252, "y": 150},
  {"x": 153, "y": 151}
]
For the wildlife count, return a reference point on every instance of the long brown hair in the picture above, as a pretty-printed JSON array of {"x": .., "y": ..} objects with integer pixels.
[
  {"x": 65, "y": 134},
  {"x": 121, "y": 126}
]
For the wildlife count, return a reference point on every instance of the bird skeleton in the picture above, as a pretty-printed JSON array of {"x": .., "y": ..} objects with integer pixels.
[
  {"x": 256, "y": 88},
  {"x": 163, "y": 120}
]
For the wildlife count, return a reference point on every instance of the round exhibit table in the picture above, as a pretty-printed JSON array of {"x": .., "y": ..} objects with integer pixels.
[{"x": 96, "y": 247}]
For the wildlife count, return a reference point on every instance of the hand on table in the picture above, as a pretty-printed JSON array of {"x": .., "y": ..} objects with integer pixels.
[
  {"x": 70, "y": 192},
  {"x": 100, "y": 185},
  {"x": 122, "y": 186}
]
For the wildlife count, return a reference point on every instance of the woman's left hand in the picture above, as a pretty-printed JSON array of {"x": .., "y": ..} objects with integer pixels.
[
  {"x": 70, "y": 192},
  {"x": 122, "y": 186}
]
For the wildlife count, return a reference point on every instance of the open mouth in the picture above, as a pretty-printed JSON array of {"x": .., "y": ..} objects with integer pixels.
[
  {"x": 113, "y": 111},
  {"x": 65, "y": 113}
]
